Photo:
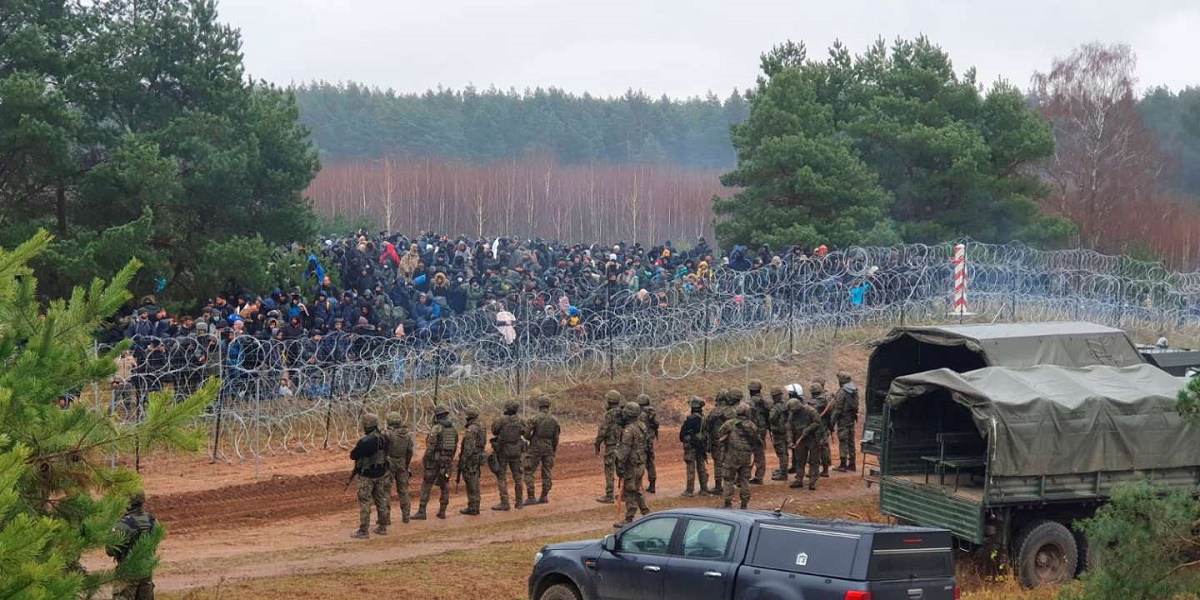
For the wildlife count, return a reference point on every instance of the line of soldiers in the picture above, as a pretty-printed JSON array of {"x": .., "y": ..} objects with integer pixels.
[
  {"x": 383, "y": 458},
  {"x": 735, "y": 433},
  {"x": 626, "y": 437}
]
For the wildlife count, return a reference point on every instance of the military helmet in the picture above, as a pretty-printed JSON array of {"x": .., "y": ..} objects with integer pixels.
[
  {"x": 722, "y": 396},
  {"x": 632, "y": 410},
  {"x": 843, "y": 377},
  {"x": 817, "y": 388},
  {"x": 137, "y": 498},
  {"x": 440, "y": 410},
  {"x": 776, "y": 390},
  {"x": 755, "y": 385},
  {"x": 795, "y": 390},
  {"x": 736, "y": 396},
  {"x": 369, "y": 422},
  {"x": 472, "y": 413},
  {"x": 613, "y": 397},
  {"x": 511, "y": 406},
  {"x": 696, "y": 402},
  {"x": 543, "y": 401},
  {"x": 394, "y": 418},
  {"x": 643, "y": 400},
  {"x": 742, "y": 410},
  {"x": 794, "y": 405}
]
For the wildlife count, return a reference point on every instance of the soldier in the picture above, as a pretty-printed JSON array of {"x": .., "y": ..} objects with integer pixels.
[
  {"x": 509, "y": 449},
  {"x": 440, "y": 446},
  {"x": 400, "y": 452},
  {"x": 740, "y": 438},
  {"x": 631, "y": 461},
  {"x": 759, "y": 415},
  {"x": 777, "y": 421},
  {"x": 845, "y": 415},
  {"x": 370, "y": 456},
  {"x": 542, "y": 431},
  {"x": 132, "y": 526},
  {"x": 712, "y": 425},
  {"x": 650, "y": 419},
  {"x": 695, "y": 448},
  {"x": 609, "y": 434},
  {"x": 820, "y": 401},
  {"x": 804, "y": 424},
  {"x": 470, "y": 459}
]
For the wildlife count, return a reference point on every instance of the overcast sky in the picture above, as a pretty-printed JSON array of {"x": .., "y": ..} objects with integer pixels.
[{"x": 681, "y": 47}]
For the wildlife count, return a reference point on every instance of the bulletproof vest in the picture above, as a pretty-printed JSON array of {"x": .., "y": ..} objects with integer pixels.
[
  {"x": 447, "y": 439},
  {"x": 399, "y": 446},
  {"x": 758, "y": 411},
  {"x": 381, "y": 453},
  {"x": 510, "y": 431},
  {"x": 138, "y": 524},
  {"x": 474, "y": 435},
  {"x": 613, "y": 436},
  {"x": 544, "y": 428},
  {"x": 778, "y": 417}
]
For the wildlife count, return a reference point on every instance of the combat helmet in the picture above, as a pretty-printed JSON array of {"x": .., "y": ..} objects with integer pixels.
[
  {"x": 843, "y": 377},
  {"x": 795, "y": 405},
  {"x": 613, "y": 397},
  {"x": 735, "y": 396},
  {"x": 369, "y": 422},
  {"x": 754, "y": 385},
  {"x": 742, "y": 410},
  {"x": 816, "y": 389},
  {"x": 137, "y": 499},
  {"x": 696, "y": 402},
  {"x": 394, "y": 419},
  {"x": 631, "y": 410},
  {"x": 440, "y": 410},
  {"x": 776, "y": 391},
  {"x": 643, "y": 400},
  {"x": 543, "y": 401},
  {"x": 511, "y": 407},
  {"x": 472, "y": 412}
]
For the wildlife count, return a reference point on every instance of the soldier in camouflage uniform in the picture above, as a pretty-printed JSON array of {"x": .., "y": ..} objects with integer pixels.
[
  {"x": 712, "y": 425},
  {"x": 631, "y": 461},
  {"x": 740, "y": 438},
  {"x": 510, "y": 450},
  {"x": 845, "y": 415},
  {"x": 470, "y": 459},
  {"x": 542, "y": 431},
  {"x": 777, "y": 422},
  {"x": 608, "y": 435},
  {"x": 134, "y": 524},
  {"x": 759, "y": 414},
  {"x": 650, "y": 419},
  {"x": 804, "y": 424},
  {"x": 695, "y": 448},
  {"x": 440, "y": 445},
  {"x": 400, "y": 452},
  {"x": 820, "y": 401},
  {"x": 370, "y": 456}
]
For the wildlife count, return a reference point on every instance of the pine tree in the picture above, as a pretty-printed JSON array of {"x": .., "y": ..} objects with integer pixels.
[{"x": 59, "y": 498}]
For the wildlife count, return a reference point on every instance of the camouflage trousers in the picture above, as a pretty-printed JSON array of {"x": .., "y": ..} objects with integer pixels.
[
  {"x": 138, "y": 589},
  {"x": 651, "y": 472},
  {"x": 535, "y": 460},
  {"x": 400, "y": 477},
  {"x": 780, "y": 442},
  {"x": 470, "y": 475},
  {"x": 697, "y": 464},
  {"x": 760, "y": 456},
  {"x": 807, "y": 454},
  {"x": 737, "y": 472},
  {"x": 846, "y": 442},
  {"x": 377, "y": 491},
  {"x": 718, "y": 460},
  {"x": 631, "y": 492},
  {"x": 824, "y": 458},
  {"x": 514, "y": 466},
  {"x": 435, "y": 474},
  {"x": 610, "y": 469}
]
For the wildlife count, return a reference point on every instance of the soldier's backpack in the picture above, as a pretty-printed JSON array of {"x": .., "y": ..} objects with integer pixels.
[
  {"x": 510, "y": 438},
  {"x": 138, "y": 524}
]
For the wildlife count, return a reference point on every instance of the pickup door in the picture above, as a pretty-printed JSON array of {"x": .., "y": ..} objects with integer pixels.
[
  {"x": 700, "y": 566},
  {"x": 635, "y": 571}
]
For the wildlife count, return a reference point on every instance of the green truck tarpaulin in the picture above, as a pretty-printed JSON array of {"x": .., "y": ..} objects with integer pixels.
[
  {"x": 1051, "y": 420},
  {"x": 1068, "y": 343}
]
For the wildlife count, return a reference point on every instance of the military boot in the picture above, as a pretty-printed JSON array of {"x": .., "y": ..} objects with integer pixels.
[
  {"x": 606, "y": 499},
  {"x": 825, "y": 471},
  {"x": 502, "y": 506},
  {"x": 520, "y": 499},
  {"x": 420, "y": 514},
  {"x": 796, "y": 483},
  {"x": 404, "y": 516},
  {"x": 381, "y": 530},
  {"x": 813, "y": 485},
  {"x": 704, "y": 489},
  {"x": 530, "y": 498},
  {"x": 650, "y": 488},
  {"x": 851, "y": 468},
  {"x": 441, "y": 512},
  {"x": 361, "y": 534},
  {"x": 545, "y": 498},
  {"x": 756, "y": 481},
  {"x": 727, "y": 504},
  {"x": 469, "y": 511},
  {"x": 744, "y": 504},
  {"x": 717, "y": 490},
  {"x": 791, "y": 470},
  {"x": 688, "y": 492},
  {"x": 842, "y": 467}
]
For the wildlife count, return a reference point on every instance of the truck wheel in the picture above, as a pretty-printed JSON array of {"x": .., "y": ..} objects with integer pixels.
[
  {"x": 560, "y": 591},
  {"x": 1046, "y": 554}
]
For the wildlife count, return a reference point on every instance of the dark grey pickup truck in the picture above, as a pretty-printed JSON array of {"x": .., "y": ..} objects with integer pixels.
[{"x": 709, "y": 554}]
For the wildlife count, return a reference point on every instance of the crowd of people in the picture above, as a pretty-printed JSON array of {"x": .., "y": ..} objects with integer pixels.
[{"x": 383, "y": 296}]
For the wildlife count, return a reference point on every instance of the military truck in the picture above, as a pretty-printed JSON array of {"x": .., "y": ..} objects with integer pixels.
[
  {"x": 962, "y": 348},
  {"x": 1007, "y": 458}
]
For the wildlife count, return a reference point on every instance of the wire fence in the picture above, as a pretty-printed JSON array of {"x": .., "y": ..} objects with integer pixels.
[{"x": 305, "y": 394}]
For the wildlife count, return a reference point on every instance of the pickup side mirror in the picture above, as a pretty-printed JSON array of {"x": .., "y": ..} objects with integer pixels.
[{"x": 609, "y": 543}]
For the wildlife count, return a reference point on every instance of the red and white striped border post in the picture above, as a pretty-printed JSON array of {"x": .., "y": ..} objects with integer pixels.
[{"x": 960, "y": 279}]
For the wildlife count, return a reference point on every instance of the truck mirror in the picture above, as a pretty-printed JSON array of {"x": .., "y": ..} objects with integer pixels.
[{"x": 609, "y": 543}]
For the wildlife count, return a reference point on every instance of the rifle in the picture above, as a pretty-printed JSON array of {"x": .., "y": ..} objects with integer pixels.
[
  {"x": 353, "y": 474},
  {"x": 458, "y": 475}
]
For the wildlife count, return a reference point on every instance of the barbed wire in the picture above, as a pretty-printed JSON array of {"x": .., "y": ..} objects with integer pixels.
[{"x": 303, "y": 394}]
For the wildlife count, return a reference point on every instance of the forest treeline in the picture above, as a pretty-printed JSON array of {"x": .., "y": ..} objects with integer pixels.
[{"x": 351, "y": 121}]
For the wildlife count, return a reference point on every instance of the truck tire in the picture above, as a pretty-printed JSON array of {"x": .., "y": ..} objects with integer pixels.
[
  {"x": 561, "y": 591},
  {"x": 1045, "y": 553}
]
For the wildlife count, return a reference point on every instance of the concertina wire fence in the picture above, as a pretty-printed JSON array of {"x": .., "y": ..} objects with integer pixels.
[{"x": 736, "y": 319}]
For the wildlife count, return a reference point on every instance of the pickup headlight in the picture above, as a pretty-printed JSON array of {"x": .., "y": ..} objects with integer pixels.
[{"x": 537, "y": 557}]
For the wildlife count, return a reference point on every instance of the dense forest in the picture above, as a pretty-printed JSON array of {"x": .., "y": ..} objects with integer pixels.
[{"x": 351, "y": 121}]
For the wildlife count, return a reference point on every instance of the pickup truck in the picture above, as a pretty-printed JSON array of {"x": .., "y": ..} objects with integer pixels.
[{"x": 713, "y": 554}]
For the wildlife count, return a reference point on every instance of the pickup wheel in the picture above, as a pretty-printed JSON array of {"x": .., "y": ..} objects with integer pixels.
[
  {"x": 1046, "y": 554},
  {"x": 561, "y": 591}
]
